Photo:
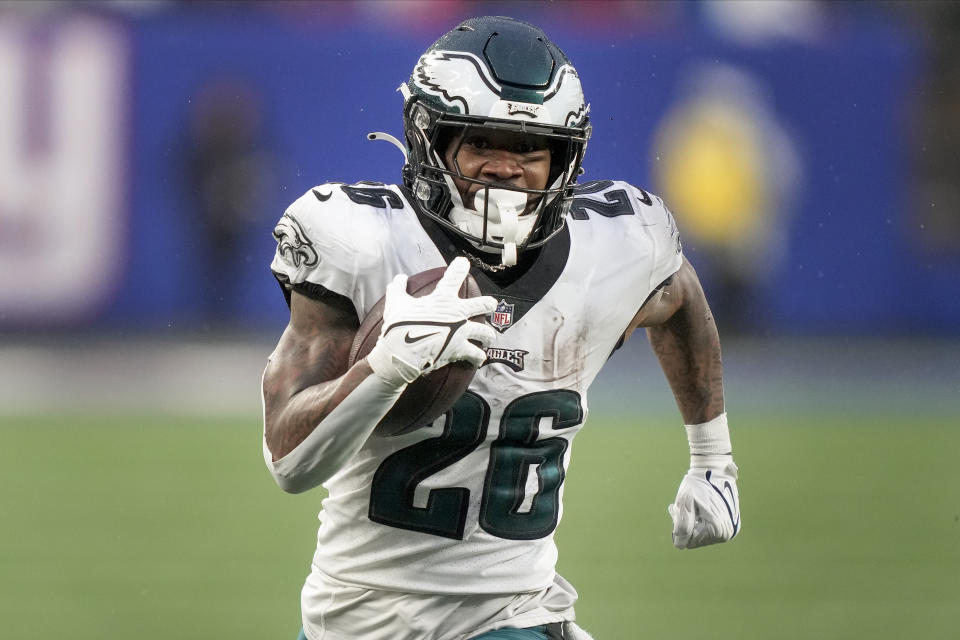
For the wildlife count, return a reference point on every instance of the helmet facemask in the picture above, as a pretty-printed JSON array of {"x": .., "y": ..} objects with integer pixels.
[{"x": 500, "y": 218}]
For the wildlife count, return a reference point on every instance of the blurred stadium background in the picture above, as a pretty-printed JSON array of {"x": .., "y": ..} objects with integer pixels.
[{"x": 810, "y": 151}]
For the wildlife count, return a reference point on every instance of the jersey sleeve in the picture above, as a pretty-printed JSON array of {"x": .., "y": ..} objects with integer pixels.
[
  {"x": 662, "y": 234},
  {"x": 326, "y": 242}
]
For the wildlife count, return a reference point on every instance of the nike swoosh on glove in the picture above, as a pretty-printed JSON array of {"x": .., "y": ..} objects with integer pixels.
[
  {"x": 422, "y": 334},
  {"x": 707, "y": 507}
]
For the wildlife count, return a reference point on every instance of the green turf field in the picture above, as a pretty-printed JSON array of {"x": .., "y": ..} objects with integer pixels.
[{"x": 159, "y": 527}]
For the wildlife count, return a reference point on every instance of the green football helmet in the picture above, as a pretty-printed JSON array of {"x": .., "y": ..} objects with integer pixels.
[{"x": 502, "y": 74}]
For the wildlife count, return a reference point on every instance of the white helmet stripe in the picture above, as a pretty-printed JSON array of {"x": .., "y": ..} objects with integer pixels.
[{"x": 437, "y": 71}]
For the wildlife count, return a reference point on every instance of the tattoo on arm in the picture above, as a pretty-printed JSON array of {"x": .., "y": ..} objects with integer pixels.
[
  {"x": 688, "y": 348},
  {"x": 307, "y": 377}
]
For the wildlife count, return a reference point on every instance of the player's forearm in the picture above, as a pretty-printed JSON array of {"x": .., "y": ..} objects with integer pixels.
[
  {"x": 688, "y": 348},
  {"x": 289, "y": 419},
  {"x": 322, "y": 427}
]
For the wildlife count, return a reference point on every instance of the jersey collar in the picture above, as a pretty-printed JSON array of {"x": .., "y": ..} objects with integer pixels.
[{"x": 522, "y": 289}]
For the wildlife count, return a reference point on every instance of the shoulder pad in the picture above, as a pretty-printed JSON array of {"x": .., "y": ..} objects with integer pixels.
[
  {"x": 376, "y": 195},
  {"x": 635, "y": 216},
  {"x": 608, "y": 199},
  {"x": 334, "y": 233}
]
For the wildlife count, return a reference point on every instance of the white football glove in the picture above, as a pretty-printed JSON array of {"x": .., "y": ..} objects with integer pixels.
[
  {"x": 707, "y": 507},
  {"x": 422, "y": 334}
]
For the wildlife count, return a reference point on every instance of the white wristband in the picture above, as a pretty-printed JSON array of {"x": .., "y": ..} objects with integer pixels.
[{"x": 709, "y": 438}]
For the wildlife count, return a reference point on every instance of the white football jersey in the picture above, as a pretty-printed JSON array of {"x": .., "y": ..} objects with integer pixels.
[{"x": 469, "y": 504}]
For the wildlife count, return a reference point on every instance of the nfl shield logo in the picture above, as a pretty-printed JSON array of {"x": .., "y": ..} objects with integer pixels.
[{"x": 502, "y": 316}]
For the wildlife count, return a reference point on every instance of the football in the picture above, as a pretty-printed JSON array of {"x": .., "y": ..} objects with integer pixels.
[{"x": 430, "y": 396}]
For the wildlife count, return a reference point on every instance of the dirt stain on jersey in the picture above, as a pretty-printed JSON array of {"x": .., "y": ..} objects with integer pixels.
[{"x": 551, "y": 343}]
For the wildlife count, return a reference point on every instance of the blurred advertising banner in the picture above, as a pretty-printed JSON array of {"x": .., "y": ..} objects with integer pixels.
[
  {"x": 64, "y": 103},
  {"x": 145, "y": 156}
]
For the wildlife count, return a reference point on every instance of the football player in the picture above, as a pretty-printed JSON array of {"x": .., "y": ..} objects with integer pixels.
[{"x": 446, "y": 533}]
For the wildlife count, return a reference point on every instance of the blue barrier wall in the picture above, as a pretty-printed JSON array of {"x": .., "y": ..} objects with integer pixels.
[{"x": 848, "y": 259}]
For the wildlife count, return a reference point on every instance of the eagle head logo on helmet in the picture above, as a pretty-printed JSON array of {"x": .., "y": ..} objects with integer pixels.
[{"x": 472, "y": 77}]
